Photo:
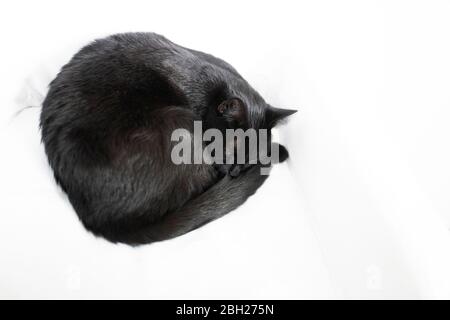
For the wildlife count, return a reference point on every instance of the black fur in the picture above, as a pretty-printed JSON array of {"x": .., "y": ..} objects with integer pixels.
[{"x": 106, "y": 126}]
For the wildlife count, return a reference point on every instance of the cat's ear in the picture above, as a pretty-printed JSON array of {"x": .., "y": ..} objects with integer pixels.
[
  {"x": 275, "y": 115},
  {"x": 233, "y": 110}
]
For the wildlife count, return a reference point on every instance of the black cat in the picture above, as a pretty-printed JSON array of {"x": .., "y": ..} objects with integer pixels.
[{"x": 106, "y": 125}]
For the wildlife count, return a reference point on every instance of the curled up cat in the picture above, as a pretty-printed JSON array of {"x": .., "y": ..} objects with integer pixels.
[{"x": 107, "y": 122}]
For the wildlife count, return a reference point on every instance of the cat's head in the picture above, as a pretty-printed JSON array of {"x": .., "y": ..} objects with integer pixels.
[
  {"x": 237, "y": 114},
  {"x": 244, "y": 113}
]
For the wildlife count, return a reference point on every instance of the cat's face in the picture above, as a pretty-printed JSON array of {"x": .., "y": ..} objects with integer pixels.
[{"x": 236, "y": 114}]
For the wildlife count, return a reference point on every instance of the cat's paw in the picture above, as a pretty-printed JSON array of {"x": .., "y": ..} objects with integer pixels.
[
  {"x": 283, "y": 154},
  {"x": 237, "y": 169},
  {"x": 232, "y": 170}
]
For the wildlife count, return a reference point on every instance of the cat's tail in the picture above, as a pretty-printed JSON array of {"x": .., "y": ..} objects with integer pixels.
[{"x": 223, "y": 197}]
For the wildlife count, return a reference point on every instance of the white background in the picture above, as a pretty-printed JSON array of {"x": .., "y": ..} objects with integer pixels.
[{"x": 361, "y": 210}]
